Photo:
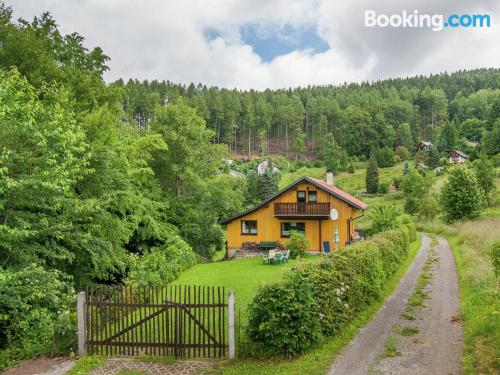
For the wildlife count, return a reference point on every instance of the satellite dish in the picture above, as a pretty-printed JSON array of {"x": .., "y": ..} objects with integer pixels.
[{"x": 334, "y": 214}]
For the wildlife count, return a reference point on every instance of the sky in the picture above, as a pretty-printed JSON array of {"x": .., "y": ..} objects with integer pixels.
[{"x": 259, "y": 44}]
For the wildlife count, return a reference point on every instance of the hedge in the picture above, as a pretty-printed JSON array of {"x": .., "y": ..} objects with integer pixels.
[{"x": 282, "y": 320}]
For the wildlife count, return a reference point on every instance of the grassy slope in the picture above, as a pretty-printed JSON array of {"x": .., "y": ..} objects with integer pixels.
[{"x": 319, "y": 360}]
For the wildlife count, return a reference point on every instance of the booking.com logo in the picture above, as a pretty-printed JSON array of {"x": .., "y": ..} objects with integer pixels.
[{"x": 416, "y": 20}]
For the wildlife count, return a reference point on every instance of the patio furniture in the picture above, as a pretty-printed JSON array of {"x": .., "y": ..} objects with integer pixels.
[
  {"x": 265, "y": 259},
  {"x": 266, "y": 245},
  {"x": 278, "y": 258},
  {"x": 326, "y": 247},
  {"x": 286, "y": 255}
]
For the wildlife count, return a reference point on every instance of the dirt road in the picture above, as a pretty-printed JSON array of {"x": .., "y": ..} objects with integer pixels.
[{"x": 418, "y": 329}]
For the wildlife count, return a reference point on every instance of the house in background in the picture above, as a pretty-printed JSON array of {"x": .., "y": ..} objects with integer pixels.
[
  {"x": 265, "y": 164},
  {"x": 457, "y": 157},
  {"x": 306, "y": 206},
  {"x": 424, "y": 145}
]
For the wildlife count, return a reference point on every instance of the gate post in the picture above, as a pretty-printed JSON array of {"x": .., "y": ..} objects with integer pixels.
[
  {"x": 80, "y": 314},
  {"x": 231, "y": 325}
]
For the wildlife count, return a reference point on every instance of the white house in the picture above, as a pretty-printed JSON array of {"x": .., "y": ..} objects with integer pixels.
[
  {"x": 264, "y": 164},
  {"x": 457, "y": 157}
]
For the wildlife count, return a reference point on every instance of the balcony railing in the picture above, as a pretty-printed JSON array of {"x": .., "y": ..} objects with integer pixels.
[{"x": 302, "y": 209}]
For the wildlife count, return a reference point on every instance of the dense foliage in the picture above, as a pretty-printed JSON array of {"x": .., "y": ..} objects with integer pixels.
[
  {"x": 447, "y": 109},
  {"x": 283, "y": 316},
  {"x": 84, "y": 196}
]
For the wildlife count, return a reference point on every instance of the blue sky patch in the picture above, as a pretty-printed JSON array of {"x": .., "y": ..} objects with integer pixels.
[{"x": 271, "y": 40}]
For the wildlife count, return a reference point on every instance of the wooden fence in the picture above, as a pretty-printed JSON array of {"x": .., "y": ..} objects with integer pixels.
[{"x": 180, "y": 321}]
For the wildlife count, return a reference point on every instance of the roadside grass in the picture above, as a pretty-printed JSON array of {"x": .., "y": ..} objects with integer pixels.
[
  {"x": 86, "y": 364},
  {"x": 318, "y": 360},
  {"x": 479, "y": 290}
]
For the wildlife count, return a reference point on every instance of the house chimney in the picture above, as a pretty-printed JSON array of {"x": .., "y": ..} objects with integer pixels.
[{"x": 329, "y": 177}]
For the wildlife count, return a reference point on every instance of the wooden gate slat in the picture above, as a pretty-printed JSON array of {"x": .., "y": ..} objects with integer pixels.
[{"x": 182, "y": 320}]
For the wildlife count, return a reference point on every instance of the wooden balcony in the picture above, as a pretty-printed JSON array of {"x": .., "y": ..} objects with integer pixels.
[{"x": 302, "y": 210}]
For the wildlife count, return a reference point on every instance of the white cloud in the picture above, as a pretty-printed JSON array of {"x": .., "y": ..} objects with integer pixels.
[{"x": 164, "y": 40}]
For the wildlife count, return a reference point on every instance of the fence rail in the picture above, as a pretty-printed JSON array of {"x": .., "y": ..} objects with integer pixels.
[{"x": 181, "y": 321}]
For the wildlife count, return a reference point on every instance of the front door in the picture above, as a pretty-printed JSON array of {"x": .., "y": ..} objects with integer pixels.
[{"x": 301, "y": 202}]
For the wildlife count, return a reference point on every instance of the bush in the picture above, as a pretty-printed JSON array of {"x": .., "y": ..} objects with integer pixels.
[
  {"x": 461, "y": 197},
  {"x": 161, "y": 265},
  {"x": 297, "y": 244},
  {"x": 285, "y": 318},
  {"x": 282, "y": 318},
  {"x": 385, "y": 157},
  {"x": 383, "y": 218},
  {"x": 383, "y": 188},
  {"x": 36, "y": 308}
]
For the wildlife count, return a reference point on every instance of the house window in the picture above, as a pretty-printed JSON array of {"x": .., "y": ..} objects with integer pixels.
[
  {"x": 301, "y": 196},
  {"x": 313, "y": 197},
  {"x": 286, "y": 228},
  {"x": 249, "y": 227}
]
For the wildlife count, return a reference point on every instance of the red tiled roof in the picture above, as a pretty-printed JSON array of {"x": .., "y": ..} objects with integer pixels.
[{"x": 341, "y": 194}]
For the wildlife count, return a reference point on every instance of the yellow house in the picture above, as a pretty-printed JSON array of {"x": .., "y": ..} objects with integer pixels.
[{"x": 311, "y": 206}]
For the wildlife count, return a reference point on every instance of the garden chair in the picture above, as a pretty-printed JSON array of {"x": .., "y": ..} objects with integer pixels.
[
  {"x": 265, "y": 259},
  {"x": 286, "y": 256},
  {"x": 278, "y": 258}
]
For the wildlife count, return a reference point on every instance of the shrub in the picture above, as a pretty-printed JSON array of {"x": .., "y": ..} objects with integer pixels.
[
  {"x": 282, "y": 318},
  {"x": 383, "y": 218},
  {"x": 161, "y": 265},
  {"x": 415, "y": 187},
  {"x": 325, "y": 296},
  {"x": 385, "y": 157},
  {"x": 383, "y": 188},
  {"x": 461, "y": 197},
  {"x": 35, "y": 308},
  {"x": 297, "y": 244}
]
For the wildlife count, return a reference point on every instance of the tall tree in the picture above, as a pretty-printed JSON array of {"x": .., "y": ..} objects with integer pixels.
[{"x": 371, "y": 179}]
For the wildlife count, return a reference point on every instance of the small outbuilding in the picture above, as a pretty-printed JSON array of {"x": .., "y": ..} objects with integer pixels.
[{"x": 457, "y": 157}]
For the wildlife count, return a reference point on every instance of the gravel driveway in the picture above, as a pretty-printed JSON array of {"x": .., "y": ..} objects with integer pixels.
[{"x": 418, "y": 329}]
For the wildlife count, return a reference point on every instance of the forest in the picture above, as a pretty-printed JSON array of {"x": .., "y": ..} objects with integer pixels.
[{"x": 125, "y": 183}]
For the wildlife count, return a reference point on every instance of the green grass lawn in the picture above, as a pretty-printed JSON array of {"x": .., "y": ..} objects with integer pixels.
[{"x": 243, "y": 276}]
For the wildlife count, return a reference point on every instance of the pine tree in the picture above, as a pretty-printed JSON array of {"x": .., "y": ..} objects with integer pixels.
[
  {"x": 461, "y": 197},
  {"x": 267, "y": 184},
  {"x": 371, "y": 180}
]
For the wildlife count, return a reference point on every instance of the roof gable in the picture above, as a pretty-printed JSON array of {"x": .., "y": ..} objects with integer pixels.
[{"x": 333, "y": 190}]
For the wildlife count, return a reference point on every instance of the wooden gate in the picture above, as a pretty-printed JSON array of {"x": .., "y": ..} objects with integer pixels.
[{"x": 180, "y": 321}]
